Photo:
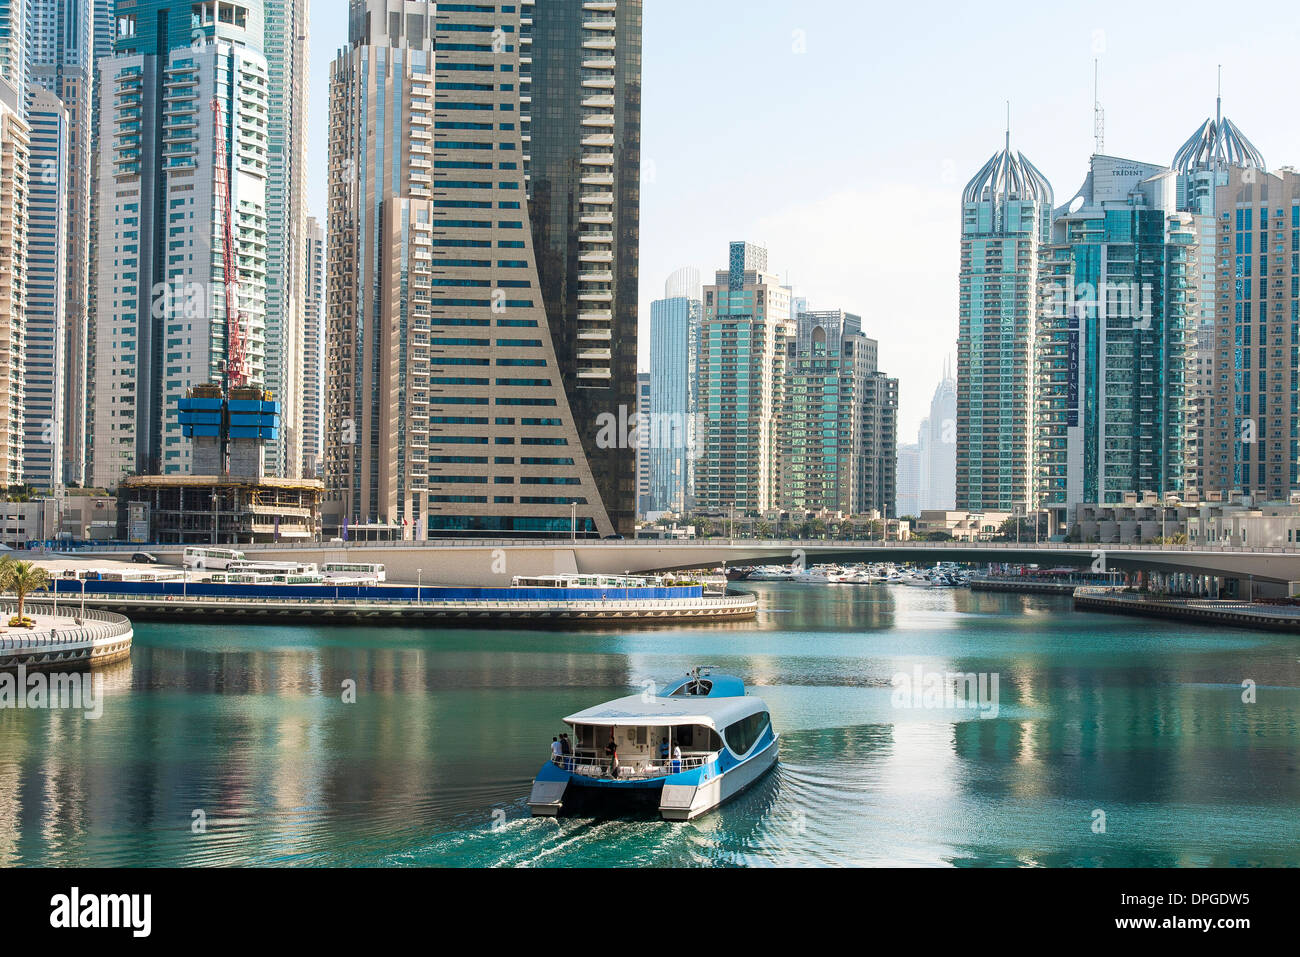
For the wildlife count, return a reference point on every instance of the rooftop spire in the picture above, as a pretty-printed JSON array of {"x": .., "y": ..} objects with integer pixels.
[{"x": 1098, "y": 114}]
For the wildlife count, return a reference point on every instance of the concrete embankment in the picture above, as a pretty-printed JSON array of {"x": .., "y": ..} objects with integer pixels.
[
  {"x": 1234, "y": 614},
  {"x": 1027, "y": 587},
  {"x": 63, "y": 637},
  {"x": 443, "y": 614}
]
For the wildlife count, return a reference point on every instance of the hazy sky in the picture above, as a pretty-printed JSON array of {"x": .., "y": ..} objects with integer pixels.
[{"x": 839, "y": 133}]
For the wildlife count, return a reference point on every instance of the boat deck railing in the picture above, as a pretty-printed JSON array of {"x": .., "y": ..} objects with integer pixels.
[{"x": 595, "y": 766}]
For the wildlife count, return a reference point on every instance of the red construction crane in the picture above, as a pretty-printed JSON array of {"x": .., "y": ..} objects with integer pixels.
[{"x": 236, "y": 344}]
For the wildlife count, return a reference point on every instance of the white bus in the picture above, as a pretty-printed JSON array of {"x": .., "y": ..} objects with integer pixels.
[
  {"x": 353, "y": 572},
  {"x": 273, "y": 568},
  {"x": 210, "y": 559}
]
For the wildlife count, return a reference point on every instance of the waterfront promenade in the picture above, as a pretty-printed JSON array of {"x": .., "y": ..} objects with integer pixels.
[
  {"x": 474, "y": 613},
  {"x": 64, "y": 638}
]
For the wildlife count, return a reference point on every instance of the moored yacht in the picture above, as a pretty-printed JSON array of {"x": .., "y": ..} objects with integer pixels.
[{"x": 697, "y": 743}]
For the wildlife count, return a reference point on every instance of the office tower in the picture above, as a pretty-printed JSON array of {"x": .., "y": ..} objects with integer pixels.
[
  {"x": 1202, "y": 165},
  {"x": 1253, "y": 435},
  {"x": 286, "y": 50},
  {"x": 674, "y": 343},
  {"x": 313, "y": 401},
  {"x": 742, "y": 355},
  {"x": 15, "y": 159},
  {"x": 104, "y": 32},
  {"x": 62, "y": 52},
  {"x": 643, "y": 500},
  {"x": 1006, "y": 218},
  {"x": 446, "y": 410},
  {"x": 837, "y": 444},
  {"x": 938, "y": 442},
  {"x": 1119, "y": 286},
  {"x": 45, "y": 359},
  {"x": 160, "y": 323},
  {"x": 581, "y": 67},
  {"x": 909, "y": 479}
]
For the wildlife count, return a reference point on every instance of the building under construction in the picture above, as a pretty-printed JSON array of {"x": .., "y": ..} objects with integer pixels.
[{"x": 218, "y": 510}]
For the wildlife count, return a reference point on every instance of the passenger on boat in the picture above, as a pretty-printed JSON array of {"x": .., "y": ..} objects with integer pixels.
[
  {"x": 663, "y": 750},
  {"x": 677, "y": 758},
  {"x": 557, "y": 749},
  {"x": 611, "y": 752},
  {"x": 566, "y": 748}
]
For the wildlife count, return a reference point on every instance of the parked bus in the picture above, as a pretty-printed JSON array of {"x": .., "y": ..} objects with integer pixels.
[
  {"x": 212, "y": 559},
  {"x": 353, "y": 571}
]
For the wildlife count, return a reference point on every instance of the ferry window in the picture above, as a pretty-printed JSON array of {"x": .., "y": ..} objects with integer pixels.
[{"x": 742, "y": 735}]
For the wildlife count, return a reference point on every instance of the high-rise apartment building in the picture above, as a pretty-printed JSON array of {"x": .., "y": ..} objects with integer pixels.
[
  {"x": 313, "y": 383},
  {"x": 286, "y": 50},
  {"x": 45, "y": 368},
  {"x": 1203, "y": 164},
  {"x": 160, "y": 322},
  {"x": 674, "y": 342},
  {"x": 580, "y": 73},
  {"x": 15, "y": 68},
  {"x": 837, "y": 427},
  {"x": 15, "y": 160},
  {"x": 1252, "y": 440},
  {"x": 909, "y": 479},
  {"x": 1006, "y": 220},
  {"x": 62, "y": 61},
  {"x": 1120, "y": 285},
  {"x": 742, "y": 357},
  {"x": 447, "y": 406},
  {"x": 643, "y": 500}
]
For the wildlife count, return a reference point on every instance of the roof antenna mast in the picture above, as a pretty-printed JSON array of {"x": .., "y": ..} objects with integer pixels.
[{"x": 1098, "y": 114}]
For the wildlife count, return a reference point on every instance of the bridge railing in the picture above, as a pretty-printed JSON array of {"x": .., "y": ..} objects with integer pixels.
[{"x": 696, "y": 543}]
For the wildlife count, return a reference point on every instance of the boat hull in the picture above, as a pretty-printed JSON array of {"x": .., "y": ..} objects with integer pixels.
[{"x": 678, "y": 797}]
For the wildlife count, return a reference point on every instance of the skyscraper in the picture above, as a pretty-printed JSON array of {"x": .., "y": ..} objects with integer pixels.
[
  {"x": 1119, "y": 286},
  {"x": 45, "y": 368},
  {"x": 15, "y": 16},
  {"x": 837, "y": 428},
  {"x": 15, "y": 160},
  {"x": 286, "y": 49},
  {"x": 643, "y": 499},
  {"x": 1006, "y": 219},
  {"x": 1253, "y": 420},
  {"x": 742, "y": 357},
  {"x": 674, "y": 342},
  {"x": 909, "y": 480},
  {"x": 1203, "y": 164},
  {"x": 313, "y": 382},
  {"x": 62, "y": 62},
  {"x": 581, "y": 68},
  {"x": 447, "y": 408},
  {"x": 160, "y": 325},
  {"x": 938, "y": 448}
]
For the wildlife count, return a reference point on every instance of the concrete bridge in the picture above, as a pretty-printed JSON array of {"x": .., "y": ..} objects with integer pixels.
[{"x": 488, "y": 563}]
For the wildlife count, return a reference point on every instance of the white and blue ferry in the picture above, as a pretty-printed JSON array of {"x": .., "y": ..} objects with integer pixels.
[{"x": 685, "y": 750}]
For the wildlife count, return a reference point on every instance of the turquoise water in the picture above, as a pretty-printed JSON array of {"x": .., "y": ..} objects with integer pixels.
[{"x": 431, "y": 765}]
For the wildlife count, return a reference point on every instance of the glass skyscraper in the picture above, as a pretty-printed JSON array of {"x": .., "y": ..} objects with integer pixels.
[
  {"x": 674, "y": 341},
  {"x": 1118, "y": 288},
  {"x": 580, "y": 66},
  {"x": 447, "y": 406}
]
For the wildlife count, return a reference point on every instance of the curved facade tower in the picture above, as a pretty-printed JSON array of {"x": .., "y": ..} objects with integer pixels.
[
  {"x": 446, "y": 409},
  {"x": 1006, "y": 220},
  {"x": 1203, "y": 165}
]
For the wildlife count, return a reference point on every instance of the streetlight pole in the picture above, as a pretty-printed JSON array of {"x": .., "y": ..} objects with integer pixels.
[
  {"x": 214, "y": 517},
  {"x": 573, "y": 521},
  {"x": 419, "y": 584}
]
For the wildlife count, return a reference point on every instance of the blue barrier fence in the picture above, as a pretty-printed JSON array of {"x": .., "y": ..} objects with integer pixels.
[{"x": 430, "y": 593}]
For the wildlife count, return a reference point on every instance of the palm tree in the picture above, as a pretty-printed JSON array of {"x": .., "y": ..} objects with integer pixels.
[
  {"x": 705, "y": 528},
  {"x": 22, "y": 578}
]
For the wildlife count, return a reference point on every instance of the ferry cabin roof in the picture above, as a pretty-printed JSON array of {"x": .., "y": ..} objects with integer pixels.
[{"x": 662, "y": 712}]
